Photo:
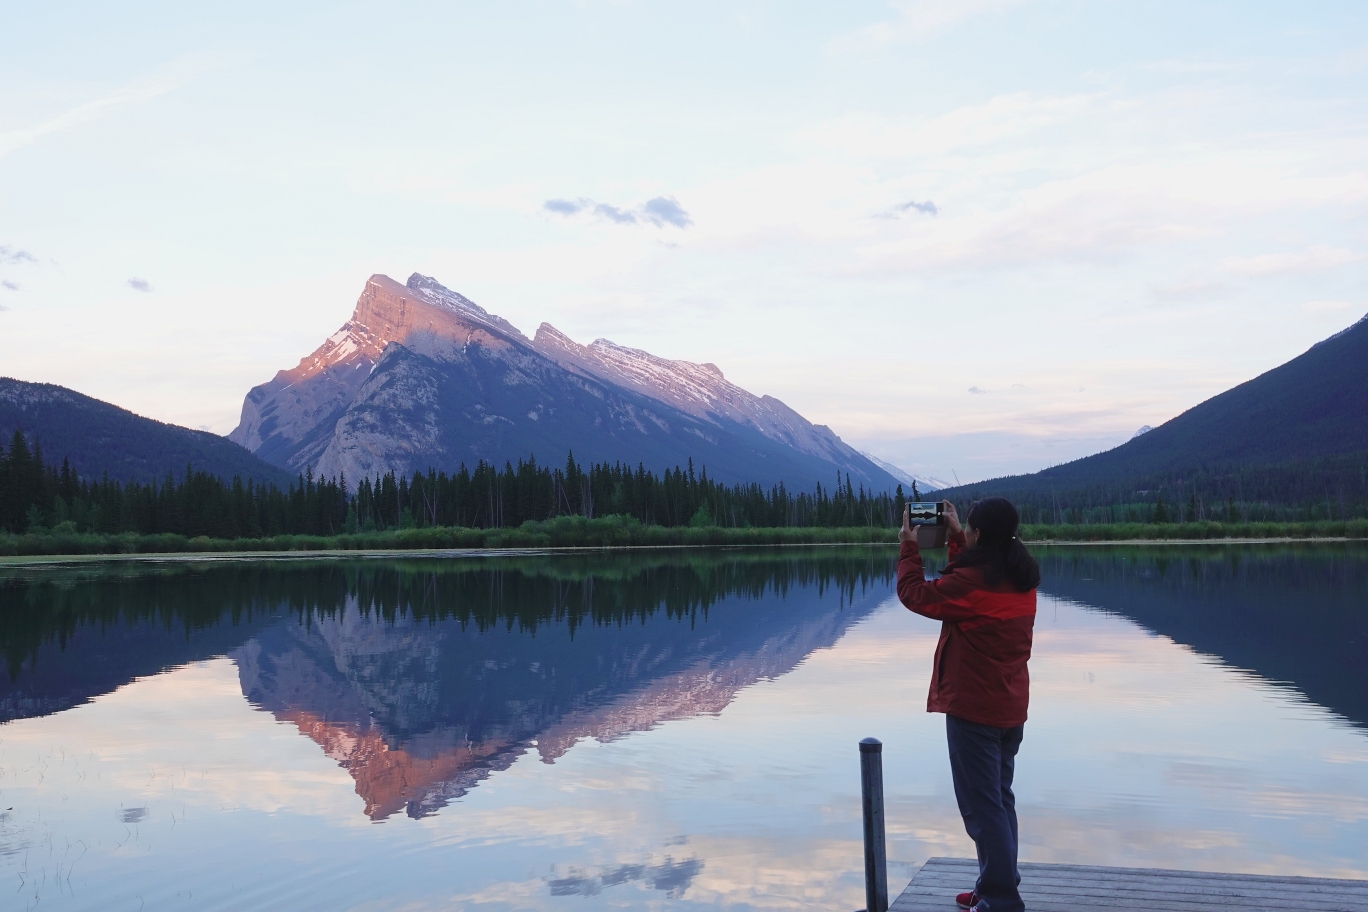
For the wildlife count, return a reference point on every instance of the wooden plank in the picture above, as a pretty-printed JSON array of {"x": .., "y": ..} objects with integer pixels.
[
  {"x": 1271, "y": 887},
  {"x": 1186, "y": 888},
  {"x": 1120, "y": 897},
  {"x": 1036, "y": 899},
  {"x": 937, "y": 867},
  {"x": 1047, "y": 888}
]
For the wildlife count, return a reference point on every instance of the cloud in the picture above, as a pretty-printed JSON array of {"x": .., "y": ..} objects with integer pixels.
[
  {"x": 15, "y": 255},
  {"x": 665, "y": 210},
  {"x": 614, "y": 214},
  {"x": 566, "y": 207},
  {"x": 138, "y": 92},
  {"x": 1325, "y": 306},
  {"x": 976, "y": 391},
  {"x": 659, "y": 211},
  {"x": 671, "y": 877},
  {"x": 916, "y": 19},
  {"x": 1187, "y": 291},
  {"x": 1313, "y": 260},
  {"x": 926, "y": 208},
  {"x": 139, "y": 284}
]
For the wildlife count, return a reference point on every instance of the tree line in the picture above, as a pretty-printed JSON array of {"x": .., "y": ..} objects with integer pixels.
[
  {"x": 36, "y": 496},
  {"x": 528, "y": 593},
  {"x": 1306, "y": 490}
]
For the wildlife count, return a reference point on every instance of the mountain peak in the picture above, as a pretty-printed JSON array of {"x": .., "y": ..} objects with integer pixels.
[
  {"x": 548, "y": 335},
  {"x": 421, "y": 376},
  {"x": 434, "y": 292}
]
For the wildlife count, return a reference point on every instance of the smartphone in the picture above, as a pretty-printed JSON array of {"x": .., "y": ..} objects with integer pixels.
[{"x": 926, "y": 514}]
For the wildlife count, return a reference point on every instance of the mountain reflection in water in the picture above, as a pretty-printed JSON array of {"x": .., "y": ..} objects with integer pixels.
[
  {"x": 422, "y": 677},
  {"x": 151, "y": 716},
  {"x": 1295, "y": 615}
]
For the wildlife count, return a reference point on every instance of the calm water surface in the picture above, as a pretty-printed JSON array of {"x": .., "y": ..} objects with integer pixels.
[{"x": 672, "y": 730}]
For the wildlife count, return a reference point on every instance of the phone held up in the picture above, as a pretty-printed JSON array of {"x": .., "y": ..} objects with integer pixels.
[{"x": 928, "y": 520}]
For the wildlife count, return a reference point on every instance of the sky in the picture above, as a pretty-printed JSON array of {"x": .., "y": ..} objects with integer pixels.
[{"x": 974, "y": 238}]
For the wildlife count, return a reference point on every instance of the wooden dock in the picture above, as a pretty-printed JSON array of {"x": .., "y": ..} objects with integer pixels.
[{"x": 1070, "y": 888}]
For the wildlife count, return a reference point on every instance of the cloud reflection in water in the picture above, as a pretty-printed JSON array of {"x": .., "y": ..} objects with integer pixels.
[{"x": 707, "y": 761}]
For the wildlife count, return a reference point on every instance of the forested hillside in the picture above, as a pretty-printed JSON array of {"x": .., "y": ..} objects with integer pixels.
[
  {"x": 97, "y": 439},
  {"x": 1290, "y": 444},
  {"x": 39, "y": 497}
]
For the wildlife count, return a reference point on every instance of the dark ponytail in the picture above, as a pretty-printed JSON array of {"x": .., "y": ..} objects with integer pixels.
[{"x": 999, "y": 551}]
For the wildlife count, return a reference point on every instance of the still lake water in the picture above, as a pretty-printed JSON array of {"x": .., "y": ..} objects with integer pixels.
[{"x": 667, "y": 729}]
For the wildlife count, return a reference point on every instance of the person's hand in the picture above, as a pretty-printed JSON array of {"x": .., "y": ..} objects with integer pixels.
[
  {"x": 906, "y": 533},
  {"x": 951, "y": 517}
]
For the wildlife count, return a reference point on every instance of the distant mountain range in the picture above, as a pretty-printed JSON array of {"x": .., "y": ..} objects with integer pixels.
[
  {"x": 99, "y": 439},
  {"x": 421, "y": 377},
  {"x": 1307, "y": 418}
]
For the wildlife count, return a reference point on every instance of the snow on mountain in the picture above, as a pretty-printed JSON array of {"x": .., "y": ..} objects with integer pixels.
[
  {"x": 925, "y": 483},
  {"x": 697, "y": 389},
  {"x": 421, "y": 376},
  {"x": 437, "y": 294}
]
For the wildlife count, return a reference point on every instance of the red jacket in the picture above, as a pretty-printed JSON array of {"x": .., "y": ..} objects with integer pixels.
[{"x": 980, "y": 671}]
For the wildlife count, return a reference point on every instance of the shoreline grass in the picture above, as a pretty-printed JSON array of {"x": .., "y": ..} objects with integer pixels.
[
  {"x": 562, "y": 532},
  {"x": 1169, "y": 533},
  {"x": 625, "y": 532}
]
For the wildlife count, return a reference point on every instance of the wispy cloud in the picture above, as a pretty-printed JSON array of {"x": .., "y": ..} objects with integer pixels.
[
  {"x": 976, "y": 391},
  {"x": 898, "y": 211},
  {"x": 665, "y": 210},
  {"x": 916, "y": 19},
  {"x": 1198, "y": 290},
  {"x": 659, "y": 211},
  {"x": 15, "y": 255},
  {"x": 142, "y": 90},
  {"x": 566, "y": 207},
  {"x": 614, "y": 214},
  {"x": 139, "y": 284},
  {"x": 1312, "y": 260},
  {"x": 1326, "y": 306}
]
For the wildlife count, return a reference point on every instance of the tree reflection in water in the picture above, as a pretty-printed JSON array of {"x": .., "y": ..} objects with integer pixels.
[
  {"x": 423, "y": 676},
  {"x": 1295, "y": 615}
]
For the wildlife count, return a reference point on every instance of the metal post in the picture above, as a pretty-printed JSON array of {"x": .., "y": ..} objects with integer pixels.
[{"x": 871, "y": 793}]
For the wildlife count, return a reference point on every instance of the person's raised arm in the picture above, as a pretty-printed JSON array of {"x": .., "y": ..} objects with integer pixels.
[
  {"x": 955, "y": 539},
  {"x": 932, "y": 598}
]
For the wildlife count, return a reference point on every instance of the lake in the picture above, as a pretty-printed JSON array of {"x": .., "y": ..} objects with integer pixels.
[{"x": 670, "y": 729}]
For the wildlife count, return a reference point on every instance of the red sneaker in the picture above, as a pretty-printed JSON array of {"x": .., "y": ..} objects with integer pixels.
[{"x": 966, "y": 900}]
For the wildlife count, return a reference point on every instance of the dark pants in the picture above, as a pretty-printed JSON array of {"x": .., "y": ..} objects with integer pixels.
[{"x": 982, "y": 759}]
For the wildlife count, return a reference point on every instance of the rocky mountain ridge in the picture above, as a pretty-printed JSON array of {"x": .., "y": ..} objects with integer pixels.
[{"x": 422, "y": 377}]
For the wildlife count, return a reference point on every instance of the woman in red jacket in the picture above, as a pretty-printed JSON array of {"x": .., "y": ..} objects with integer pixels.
[{"x": 985, "y": 600}]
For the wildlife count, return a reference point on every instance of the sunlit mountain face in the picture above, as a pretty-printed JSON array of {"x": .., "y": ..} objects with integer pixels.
[
  {"x": 422, "y": 678},
  {"x": 421, "y": 377}
]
